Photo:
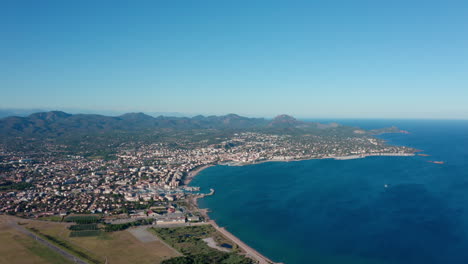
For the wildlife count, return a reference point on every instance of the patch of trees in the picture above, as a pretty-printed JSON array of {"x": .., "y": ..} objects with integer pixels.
[
  {"x": 210, "y": 258},
  {"x": 85, "y": 233},
  {"x": 83, "y": 227},
  {"x": 118, "y": 227},
  {"x": 83, "y": 219}
]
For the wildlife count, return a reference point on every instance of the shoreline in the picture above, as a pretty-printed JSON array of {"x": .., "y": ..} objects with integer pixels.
[
  {"x": 348, "y": 157},
  {"x": 251, "y": 252},
  {"x": 191, "y": 174}
]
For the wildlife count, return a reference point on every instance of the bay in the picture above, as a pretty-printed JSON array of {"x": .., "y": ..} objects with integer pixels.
[{"x": 372, "y": 210}]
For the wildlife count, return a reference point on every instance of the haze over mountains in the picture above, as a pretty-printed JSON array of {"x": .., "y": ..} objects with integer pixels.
[
  {"x": 57, "y": 122},
  {"x": 6, "y": 112}
]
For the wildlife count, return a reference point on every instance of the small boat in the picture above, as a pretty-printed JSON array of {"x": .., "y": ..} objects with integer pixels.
[{"x": 436, "y": 162}]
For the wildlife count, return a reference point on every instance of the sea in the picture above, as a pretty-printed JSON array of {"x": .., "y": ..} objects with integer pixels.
[{"x": 379, "y": 210}]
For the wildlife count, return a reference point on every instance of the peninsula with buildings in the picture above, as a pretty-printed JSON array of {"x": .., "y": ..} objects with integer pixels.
[{"x": 133, "y": 170}]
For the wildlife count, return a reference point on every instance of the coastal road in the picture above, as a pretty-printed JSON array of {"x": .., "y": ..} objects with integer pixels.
[
  {"x": 249, "y": 251},
  {"x": 44, "y": 242}
]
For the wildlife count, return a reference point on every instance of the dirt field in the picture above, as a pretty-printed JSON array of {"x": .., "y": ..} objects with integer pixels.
[{"x": 118, "y": 247}]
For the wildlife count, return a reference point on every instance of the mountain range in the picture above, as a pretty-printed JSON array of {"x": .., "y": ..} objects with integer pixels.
[{"x": 58, "y": 122}]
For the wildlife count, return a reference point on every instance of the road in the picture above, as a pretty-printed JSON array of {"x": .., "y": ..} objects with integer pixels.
[{"x": 46, "y": 243}]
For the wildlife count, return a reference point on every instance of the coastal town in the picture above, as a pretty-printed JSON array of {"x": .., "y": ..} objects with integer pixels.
[
  {"x": 149, "y": 184},
  {"x": 155, "y": 175}
]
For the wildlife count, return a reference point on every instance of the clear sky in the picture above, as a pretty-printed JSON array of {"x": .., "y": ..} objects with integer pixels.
[{"x": 327, "y": 58}]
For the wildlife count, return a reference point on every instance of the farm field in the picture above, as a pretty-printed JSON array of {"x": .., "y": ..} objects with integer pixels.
[
  {"x": 16, "y": 247},
  {"x": 104, "y": 246}
]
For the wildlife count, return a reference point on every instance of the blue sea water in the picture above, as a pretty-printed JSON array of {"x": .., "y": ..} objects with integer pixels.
[{"x": 329, "y": 211}]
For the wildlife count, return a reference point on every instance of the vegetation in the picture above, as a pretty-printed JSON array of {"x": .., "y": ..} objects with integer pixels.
[
  {"x": 84, "y": 230},
  {"x": 83, "y": 227},
  {"x": 97, "y": 137},
  {"x": 188, "y": 240},
  {"x": 53, "y": 218},
  {"x": 214, "y": 258},
  {"x": 118, "y": 227},
  {"x": 85, "y": 233},
  {"x": 83, "y": 219}
]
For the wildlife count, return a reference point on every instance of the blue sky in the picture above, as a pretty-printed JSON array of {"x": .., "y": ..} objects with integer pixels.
[{"x": 388, "y": 59}]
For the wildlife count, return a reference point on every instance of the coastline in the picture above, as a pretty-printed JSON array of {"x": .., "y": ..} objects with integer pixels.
[
  {"x": 250, "y": 252},
  {"x": 191, "y": 174},
  {"x": 348, "y": 157}
]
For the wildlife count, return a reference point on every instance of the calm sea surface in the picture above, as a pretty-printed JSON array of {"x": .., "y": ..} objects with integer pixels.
[{"x": 328, "y": 211}]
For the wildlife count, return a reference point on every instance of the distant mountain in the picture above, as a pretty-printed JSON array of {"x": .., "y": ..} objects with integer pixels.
[
  {"x": 18, "y": 112},
  {"x": 285, "y": 121},
  {"x": 228, "y": 121},
  {"x": 49, "y": 116},
  {"x": 56, "y": 123},
  {"x": 136, "y": 116}
]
